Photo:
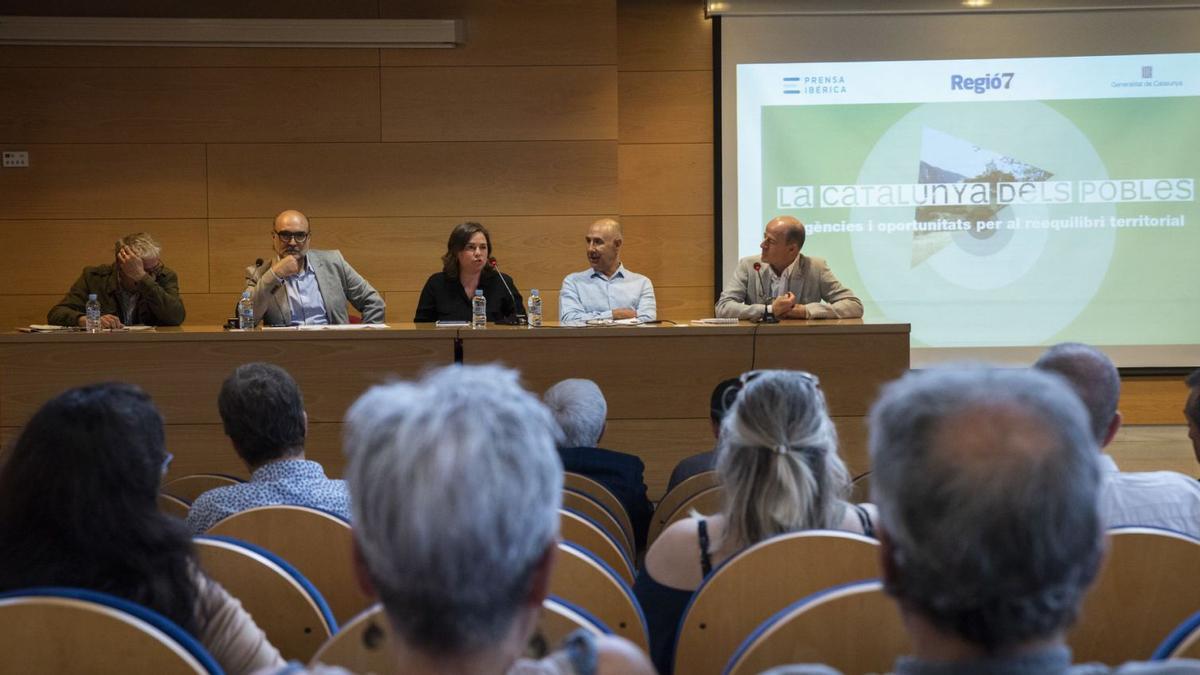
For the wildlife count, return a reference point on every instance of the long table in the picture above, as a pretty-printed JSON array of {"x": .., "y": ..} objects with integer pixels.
[{"x": 657, "y": 379}]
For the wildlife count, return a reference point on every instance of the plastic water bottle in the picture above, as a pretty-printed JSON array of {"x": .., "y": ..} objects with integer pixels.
[
  {"x": 478, "y": 310},
  {"x": 92, "y": 308},
  {"x": 535, "y": 308},
  {"x": 245, "y": 311}
]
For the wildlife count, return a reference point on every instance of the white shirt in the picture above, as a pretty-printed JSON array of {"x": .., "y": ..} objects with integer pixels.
[
  {"x": 1150, "y": 499},
  {"x": 779, "y": 282},
  {"x": 590, "y": 295}
]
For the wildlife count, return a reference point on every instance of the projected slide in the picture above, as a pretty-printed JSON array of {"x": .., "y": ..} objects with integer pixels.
[{"x": 989, "y": 203}]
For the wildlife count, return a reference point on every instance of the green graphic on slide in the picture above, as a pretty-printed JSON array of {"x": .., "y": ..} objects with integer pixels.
[{"x": 1001, "y": 223}]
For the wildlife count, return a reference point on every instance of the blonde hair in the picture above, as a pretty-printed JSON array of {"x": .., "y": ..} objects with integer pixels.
[
  {"x": 778, "y": 460},
  {"x": 142, "y": 244}
]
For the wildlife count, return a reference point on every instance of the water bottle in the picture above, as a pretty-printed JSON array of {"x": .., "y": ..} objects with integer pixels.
[
  {"x": 478, "y": 310},
  {"x": 535, "y": 308},
  {"x": 93, "y": 314},
  {"x": 245, "y": 311}
]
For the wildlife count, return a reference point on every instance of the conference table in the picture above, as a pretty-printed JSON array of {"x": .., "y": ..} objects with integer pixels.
[{"x": 657, "y": 378}]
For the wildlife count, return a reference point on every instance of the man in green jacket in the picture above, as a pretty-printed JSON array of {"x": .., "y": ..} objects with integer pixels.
[{"x": 136, "y": 289}]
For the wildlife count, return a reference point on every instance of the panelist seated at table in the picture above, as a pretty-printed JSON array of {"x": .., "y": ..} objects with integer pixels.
[
  {"x": 607, "y": 290},
  {"x": 135, "y": 289},
  {"x": 303, "y": 286},
  {"x": 468, "y": 265},
  {"x": 784, "y": 284}
]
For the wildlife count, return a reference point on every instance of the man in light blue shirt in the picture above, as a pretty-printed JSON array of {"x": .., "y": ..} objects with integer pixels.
[{"x": 607, "y": 290}]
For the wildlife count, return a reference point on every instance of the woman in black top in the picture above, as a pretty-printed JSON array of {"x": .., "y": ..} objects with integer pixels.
[{"x": 466, "y": 266}]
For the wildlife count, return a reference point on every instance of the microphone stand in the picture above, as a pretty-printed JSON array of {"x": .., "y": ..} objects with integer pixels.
[
  {"x": 758, "y": 275},
  {"x": 520, "y": 318}
]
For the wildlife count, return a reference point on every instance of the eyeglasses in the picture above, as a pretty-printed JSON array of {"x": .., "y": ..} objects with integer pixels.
[{"x": 284, "y": 235}]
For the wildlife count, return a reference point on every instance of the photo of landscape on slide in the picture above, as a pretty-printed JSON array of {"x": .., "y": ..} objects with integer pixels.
[{"x": 1000, "y": 222}]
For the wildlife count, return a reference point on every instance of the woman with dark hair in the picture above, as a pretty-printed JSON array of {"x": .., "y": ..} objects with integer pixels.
[
  {"x": 78, "y": 507},
  {"x": 467, "y": 266}
]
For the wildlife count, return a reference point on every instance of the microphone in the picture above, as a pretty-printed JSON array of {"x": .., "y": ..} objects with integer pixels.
[
  {"x": 519, "y": 319},
  {"x": 765, "y": 319}
]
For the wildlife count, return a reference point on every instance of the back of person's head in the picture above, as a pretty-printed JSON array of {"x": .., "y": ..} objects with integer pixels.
[
  {"x": 263, "y": 413},
  {"x": 580, "y": 409},
  {"x": 987, "y": 483},
  {"x": 455, "y": 485},
  {"x": 722, "y": 399},
  {"x": 1093, "y": 377},
  {"x": 78, "y": 503},
  {"x": 777, "y": 458}
]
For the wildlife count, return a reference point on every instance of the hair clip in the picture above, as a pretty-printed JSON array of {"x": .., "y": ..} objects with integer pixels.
[{"x": 781, "y": 449}]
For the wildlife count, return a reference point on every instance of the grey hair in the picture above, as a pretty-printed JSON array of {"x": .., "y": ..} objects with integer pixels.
[
  {"x": 142, "y": 244},
  {"x": 1093, "y": 377},
  {"x": 579, "y": 407},
  {"x": 455, "y": 486},
  {"x": 987, "y": 483},
  {"x": 777, "y": 458}
]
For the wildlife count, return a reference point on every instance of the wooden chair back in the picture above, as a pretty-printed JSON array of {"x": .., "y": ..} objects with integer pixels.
[
  {"x": 854, "y": 628},
  {"x": 1142, "y": 593},
  {"x": 283, "y": 603},
  {"x": 173, "y": 506},
  {"x": 191, "y": 486},
  {"x": 578, "y": 528},
  {"x": 605, "y": 497},
  {"x": 860, "y": 489},
  {"x": 579, "y": 502},
  {"x": 761, "y": 580},
  {"x": 671, "y": 501},
  {"x": 1182, "y": 643},
  {"x": 581, "y": 578},
  {"x": 316, "y": 543},
  {"x": 61, "y": 630},
  {"x": 363, "y": 645},
  {"x": 708, "y": 502}
]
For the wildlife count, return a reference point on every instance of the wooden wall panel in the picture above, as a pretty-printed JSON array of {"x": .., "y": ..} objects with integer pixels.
[
  {"x": 259, "y": 9},
  {"x": 52, "y": 253},
  {"x": 671, "y": 250},
  {"x": 105, "y": 181},
  {"x": 1153, "y": 400},
  {"x": 1154, "y": 448},
  {"x": 353, "y": 179},
  {"x": 663, "y": 35},
  {"x": 189, "y": 105},
  {"x": 668, "y": 179},
  {"x": 512, "y": 32},
  {"x": 682, "y": 304},
  {"x": 515, "y": 104},
  {"x": 666, "y": 107},
  {"x": 24, "y": 310},
  {"x": 184, "y": 57}
]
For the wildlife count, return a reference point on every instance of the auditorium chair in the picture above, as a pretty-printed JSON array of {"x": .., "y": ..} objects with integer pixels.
[
  {"x": 671, "y": 501},
  {"x": 1146, "y": 588},
  {"x": 191, "y": 486},
  {"x": 581, "y": 503},
  {"x": 1182, "y": 643},
  {"x": 285, "y": 605},
  {"x": 173, "y": 506},
  {"x": 606, "y": 498},
  {"x": 579, "y": 529},
  {"x": 66, "y": 630},
  {"x": 854, "y": 628},
  {"x": 583, "y": 579},
  {"x": 758, "y": 582},
  {"x": 707, "y": 502},
  {"x": 860, "y": 489},
  {"x": 315, "y": 542}
]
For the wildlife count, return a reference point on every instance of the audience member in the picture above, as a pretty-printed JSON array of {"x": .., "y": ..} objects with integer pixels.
[
  {"x": 263, "y": 413},
  {"x": 777, "y": 459},
  {"x": 303, "y": 286},
  {"x": 456, "y": 488},
  {"x": 580, "y": 410},
  {"x": 78, "y": 507},
  {"x": 1191, "y": 411},
  {"x": 988, "y": 485},
  {"x": 136, "y": 289},
  {"x": 1152, "y": 498},
  {"x": 607, "y": 290},
  {"x": 468, "y": 266},
  {"x": 718, "y": 404}
]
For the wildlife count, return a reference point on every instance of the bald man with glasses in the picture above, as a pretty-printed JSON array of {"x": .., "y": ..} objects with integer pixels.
[{"x": 303, "y": 286}]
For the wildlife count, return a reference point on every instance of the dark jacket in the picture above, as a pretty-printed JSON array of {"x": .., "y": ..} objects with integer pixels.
[
  {"x": 622, "y": 474},
  {"x": 158, "y": 302}
]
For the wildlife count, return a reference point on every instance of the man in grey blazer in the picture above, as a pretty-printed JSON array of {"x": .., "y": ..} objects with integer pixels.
[
  {"x": 302, "y": 286},
  {"x": 784, "y": 284}
]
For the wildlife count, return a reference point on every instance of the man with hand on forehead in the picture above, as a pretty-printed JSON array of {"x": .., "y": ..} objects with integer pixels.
[
  {"x": 303, "y": 286},
  {"x": 137, "y": 289}
]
